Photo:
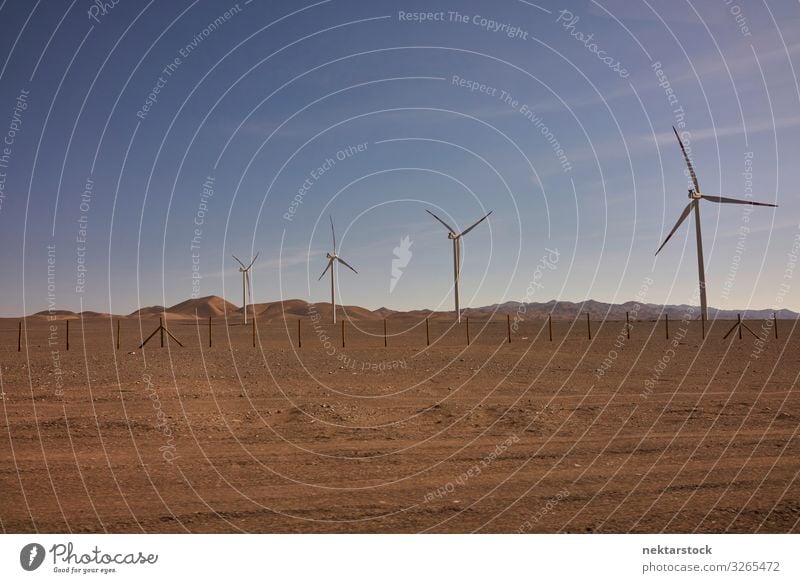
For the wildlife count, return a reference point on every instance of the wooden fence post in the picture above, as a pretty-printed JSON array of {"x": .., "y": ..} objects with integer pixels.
[
  {"x": 299, "y": 335},
  {"x": 343, "y": 342},
  {"x": 19, "y": 337},
  {"x": 508, "y": 327},
  {"x": 210, "y": 342},
  {"x": 468, "y": 331},
  {"x": 118, "y": 321},
  {"x": 550, "y": 325},
  {"x": 161, "y": 330},
  {"x": 739, "y": 319},
  {"x": 254, "y": 331},
  {"x": 588, "y": 326},
  {"x": 67, "y": 321},
  {"x": 427, "y": 333},
  {"x": 385, "y": 341},
  {"x": 775, "y": 321},
  {"x": 627, "y": 325},
  {"x": 666, "y": 325}
]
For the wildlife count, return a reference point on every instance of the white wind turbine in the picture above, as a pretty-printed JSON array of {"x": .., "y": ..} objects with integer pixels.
[
  {"x": 247, "y": 291},
  {"x": 456, "y": 238},
  {"x": 694, "y": 204},
  {"x": 332, "y": 259}
]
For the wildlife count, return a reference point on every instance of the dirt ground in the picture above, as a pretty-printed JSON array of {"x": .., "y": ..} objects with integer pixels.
[{"x": 570, "y": 435}]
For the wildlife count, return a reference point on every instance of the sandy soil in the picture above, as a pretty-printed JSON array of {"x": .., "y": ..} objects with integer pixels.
[{"x": 571, "y": 435}]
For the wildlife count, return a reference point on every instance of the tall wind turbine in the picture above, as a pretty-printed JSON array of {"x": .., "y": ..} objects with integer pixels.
[
  {"x": 332, "y": 259},
  {"x": 456, "y": 238},
  {"x": 246, "y": 289},
  {"x": 694, "y": 205}
]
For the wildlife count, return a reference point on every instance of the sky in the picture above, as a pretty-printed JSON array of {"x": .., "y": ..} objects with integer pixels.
[{"x": 146, "y": 143}]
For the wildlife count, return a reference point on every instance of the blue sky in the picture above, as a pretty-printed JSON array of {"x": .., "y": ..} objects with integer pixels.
[{"x": 259, "y": 102}]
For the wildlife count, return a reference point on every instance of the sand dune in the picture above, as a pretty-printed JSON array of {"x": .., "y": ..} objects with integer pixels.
[{"x": 209, "y": 306}]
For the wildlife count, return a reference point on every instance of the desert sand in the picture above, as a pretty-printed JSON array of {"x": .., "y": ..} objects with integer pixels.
[{"x": 646, "y": 434}]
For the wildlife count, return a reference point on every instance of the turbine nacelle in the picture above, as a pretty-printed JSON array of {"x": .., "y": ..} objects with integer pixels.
[{"x": 694, "y": 195}]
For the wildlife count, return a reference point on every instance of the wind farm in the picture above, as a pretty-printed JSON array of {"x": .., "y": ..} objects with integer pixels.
[
  {"x": 393, "y": 388},
  {"x": 368, "y": 267}
]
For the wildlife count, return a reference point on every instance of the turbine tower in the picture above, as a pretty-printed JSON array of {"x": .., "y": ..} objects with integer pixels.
[
  {"x": 456, "y": 238},
  {"x": 694, "y": 205},
  {"x": 332, "y": 259},
  {"x": 247, "y": 291}
]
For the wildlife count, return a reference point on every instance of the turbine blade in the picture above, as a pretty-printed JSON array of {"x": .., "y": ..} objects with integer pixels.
[
  {"x": 346, "y": 264},
  {"x": 725, "y": 199},
  {"x": 237, "y": 261},
  {"x": 688, "y": 162},
  {"x": 333, "y": 234},
  {"x": 330, "y": 262},
  {"x": 254, "y": 260},
  {"x": 476, "y": 224},
  {"x": 448, "y": 227},
  {"x": 682, "y": 218}
]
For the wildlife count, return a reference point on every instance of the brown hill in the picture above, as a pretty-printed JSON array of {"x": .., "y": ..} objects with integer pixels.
[
  {"x": 206, "y": 307},
  {"x": 90, "y": 314},
  {"x": 59, "y": 314},
  {"x": 148, "y": 312},
  {"x": 277, "y": 310},
  {"x": 293, "y": 309}
]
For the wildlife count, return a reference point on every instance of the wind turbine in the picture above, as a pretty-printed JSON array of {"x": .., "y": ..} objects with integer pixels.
[
  {"x": 246, "y": 289},
  {"x": 332, "y": 259},
  {"x": 694, "y": 205},
  {"x": 456, "y": 238}
]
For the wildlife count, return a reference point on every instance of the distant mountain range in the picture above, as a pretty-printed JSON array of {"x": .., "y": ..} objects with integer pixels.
[{"x": 216, "y": 307}]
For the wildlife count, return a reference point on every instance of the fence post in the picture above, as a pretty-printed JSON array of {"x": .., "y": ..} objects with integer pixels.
[
  {"x": 67, "y": 321},
  {"x": 118, "y": 321},
  {"x": 467, "y": 330},
  {"x": 775, "y": 320},
  {"x": 739, "y": 319},
  {"x": 627, "y": 325},
  {"x": 588, "y": 325},
  {"x": 299, "y": 334},
  {"x": 385, "y": 341},
  {"x": 550, "y": 325},
  {"x": 161, "y": 330},
  {"x": 508, "y": 327},
  {"x": 254, "y": 331},
  {"x": 343, "y": 334},
  {"x": 209, "y": 332},
  {"x": 427, "y": 333},
  {"x": 666, "y": 325}
]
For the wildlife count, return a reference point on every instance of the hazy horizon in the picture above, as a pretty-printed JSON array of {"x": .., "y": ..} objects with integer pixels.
[{"x": 444, "y": 309}]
